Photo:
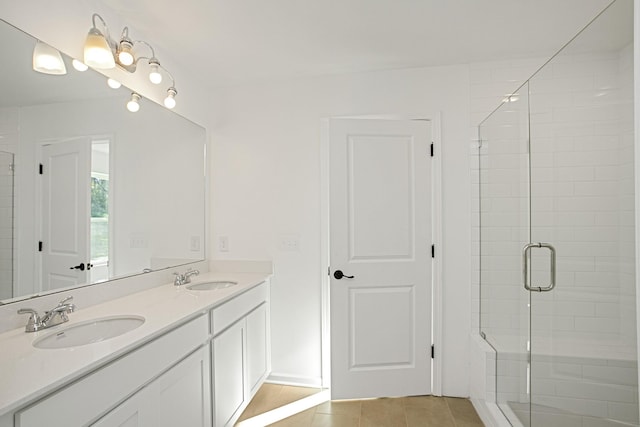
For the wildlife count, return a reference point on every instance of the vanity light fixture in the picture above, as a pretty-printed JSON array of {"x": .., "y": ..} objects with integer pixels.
[
  {"x": 154, "y": 75},
  {"x": 124, "y": 51},
  {"x": 125, "y": 54},
  {"x": 170, "y": 100},
  {"x": 80, "y": 66},
  {"x": 97, "y": 47},
  {"x": 47, "y": 60},
  {"x": 133, "y": 105}
]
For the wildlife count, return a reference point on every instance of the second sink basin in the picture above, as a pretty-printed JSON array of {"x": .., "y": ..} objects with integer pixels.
[
  {"x": 90, "y": 331},
  {"x": 211, "y": 286}
]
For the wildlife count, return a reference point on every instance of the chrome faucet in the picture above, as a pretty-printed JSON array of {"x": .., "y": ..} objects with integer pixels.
[
  {"x": 53, "y": 317},
  {"x": 183, "y": 279}
]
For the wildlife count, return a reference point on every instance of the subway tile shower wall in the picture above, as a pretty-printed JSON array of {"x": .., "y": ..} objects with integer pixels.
[{"x": 9, "y": 126}]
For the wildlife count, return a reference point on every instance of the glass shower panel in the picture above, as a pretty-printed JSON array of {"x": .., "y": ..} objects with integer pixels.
[
  {"x": 504, "y": 230},
  {"x": 6, "y": 225},
  {"x": 583, "y": 332}
]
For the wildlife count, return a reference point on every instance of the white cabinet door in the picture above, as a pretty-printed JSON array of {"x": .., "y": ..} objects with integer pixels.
[
  {"x": 257, "y": 362},
  {"x": 182, "y": 396},
  {"x": 128, "y": 414},
  {"x": 228, "y": 373},
  {"x": 179, "y": 397}
]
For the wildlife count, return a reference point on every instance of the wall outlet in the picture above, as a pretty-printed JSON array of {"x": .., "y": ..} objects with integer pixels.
[
  {"x": 194, "y": 244},
  {"x": 289, "y": 243},
  {"x": 138, "y": 240},
  {"x": 223, "y": 244}
]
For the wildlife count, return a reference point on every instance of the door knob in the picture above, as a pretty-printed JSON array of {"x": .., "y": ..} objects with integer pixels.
[
  {"x": 338, "y": 274},
  {"x": 78, "y": 267}
]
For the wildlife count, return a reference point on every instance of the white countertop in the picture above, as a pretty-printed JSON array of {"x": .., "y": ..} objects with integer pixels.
[{"x": 28, "y": 373}]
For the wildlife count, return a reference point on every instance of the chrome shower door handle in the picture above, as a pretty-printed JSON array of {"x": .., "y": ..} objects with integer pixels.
[{"x": 525, "y": 267}]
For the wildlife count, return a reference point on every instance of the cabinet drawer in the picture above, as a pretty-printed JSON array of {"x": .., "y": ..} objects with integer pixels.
[
  {"x": 90, "y": 397},
  {"x": 229, "y": 312}
]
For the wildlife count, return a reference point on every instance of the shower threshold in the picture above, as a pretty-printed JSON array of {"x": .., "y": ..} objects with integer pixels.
[{"x": 548, "y": 416}]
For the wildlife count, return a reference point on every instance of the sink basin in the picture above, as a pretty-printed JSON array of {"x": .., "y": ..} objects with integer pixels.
[
  {"x": 211, "y": 286},
  {"x": 89, "y": 332}
]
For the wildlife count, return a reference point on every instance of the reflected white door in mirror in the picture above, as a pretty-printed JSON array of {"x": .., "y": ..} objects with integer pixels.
[
  {"x": 64, "y": 181},
  {"x": 75, "y": 212}
]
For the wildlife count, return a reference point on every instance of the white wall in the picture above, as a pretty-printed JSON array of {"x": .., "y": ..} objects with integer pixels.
[{"x": 266, "y": 184}]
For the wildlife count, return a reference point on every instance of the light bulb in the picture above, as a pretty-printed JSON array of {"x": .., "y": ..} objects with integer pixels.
[
  {"x": 47, "y": 60},
  {"x": 125, "y": 56},
  {"x": 113, "y": 84},
  {"x": 133, "y": 104},
  {"x": 170, "y": 100},
  {"x": 97, "y": 53},
  {"x": 154, "y": 74},
  {"x": 80, "y": 66}
]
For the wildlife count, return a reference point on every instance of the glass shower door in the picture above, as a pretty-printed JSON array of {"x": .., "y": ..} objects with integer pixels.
[
  {"x": 504, "y": 230},
  {"x": 583, "y": 332}
]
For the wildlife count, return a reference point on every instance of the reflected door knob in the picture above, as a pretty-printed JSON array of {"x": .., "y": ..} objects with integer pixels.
[
  {"x": 338, "y": 274},
  {"x": 78, "y": 267}
]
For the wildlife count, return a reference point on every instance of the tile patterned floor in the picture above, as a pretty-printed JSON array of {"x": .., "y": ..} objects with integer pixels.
[{"x": 423, "y": 411}]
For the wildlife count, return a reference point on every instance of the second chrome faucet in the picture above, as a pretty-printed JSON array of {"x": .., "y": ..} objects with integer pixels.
[{"x": 184, "y": 278}]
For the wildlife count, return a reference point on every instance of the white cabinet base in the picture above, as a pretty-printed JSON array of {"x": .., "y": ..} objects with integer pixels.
[
  {"x": 179, "y": 397},
  {"x": 240, "y": 354}
]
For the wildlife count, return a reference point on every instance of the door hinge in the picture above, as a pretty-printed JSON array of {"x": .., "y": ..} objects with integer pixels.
[
  {"x": 40, "y": 246},
  {"x": 432, "y": 149},
  {"x": 433, "y": 351},
  {"x": 40, "y": 169},
  {"x": 329, "y": 271},
  {"x": 433, "y": 251}
]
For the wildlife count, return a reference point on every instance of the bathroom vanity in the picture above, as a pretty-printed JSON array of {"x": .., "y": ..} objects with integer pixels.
[
  {"x": 197, "y": 360},
  {"x": 136, "y": 352}
]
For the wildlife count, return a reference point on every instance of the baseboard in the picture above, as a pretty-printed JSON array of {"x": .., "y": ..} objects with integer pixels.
[{"x": 294, "y": 380}]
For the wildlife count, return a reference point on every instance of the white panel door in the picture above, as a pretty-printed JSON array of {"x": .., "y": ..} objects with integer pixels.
[
  {"x": 66, "y": 200},
  {"x": 380, "y": 234}
]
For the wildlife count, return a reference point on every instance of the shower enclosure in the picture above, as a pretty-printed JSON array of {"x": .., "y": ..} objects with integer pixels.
[
  {"x": 6, "y": 224},
  {"x": 557, "y": 235}
]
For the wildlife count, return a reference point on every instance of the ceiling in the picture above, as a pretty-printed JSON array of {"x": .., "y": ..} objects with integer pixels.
[{"x": 241, "y": 41}]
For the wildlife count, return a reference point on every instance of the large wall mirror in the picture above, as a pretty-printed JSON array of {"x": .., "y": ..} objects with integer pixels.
[{"x": 89, "y": 191}]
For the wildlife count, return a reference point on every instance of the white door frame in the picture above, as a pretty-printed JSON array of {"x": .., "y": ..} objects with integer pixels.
[
  {"x": 436, "y": 215},
  {"x": 112, "y": 185}
]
